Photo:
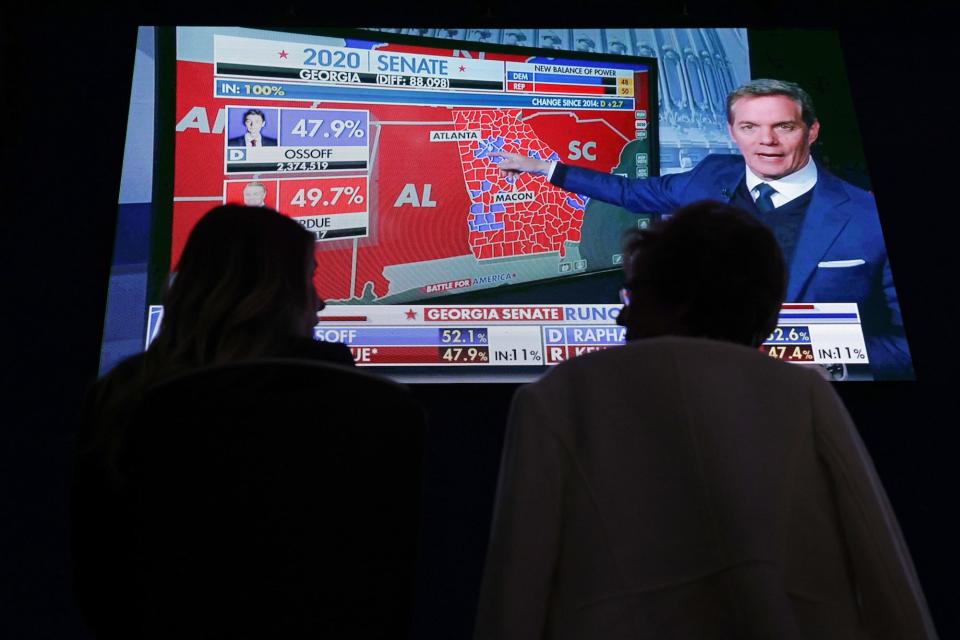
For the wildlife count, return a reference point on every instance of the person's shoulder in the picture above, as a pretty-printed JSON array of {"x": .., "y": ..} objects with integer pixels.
[
  {"x": 714, "y": 166},
  {"x": 714, "y": 162},
  {"x": 693, "y": 353},
  {"x": 858, "y": 196},
  {"x": 113, "y": 391},
  {"x": 655, "y": 358},
  {"x": 583, "y": 371},
  {"x": 384, "y": 393},
  {"x": 333, "y": 352},
  {"x": 720, "y": 159}
]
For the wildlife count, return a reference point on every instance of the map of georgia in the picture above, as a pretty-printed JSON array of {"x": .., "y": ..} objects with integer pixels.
[{"x": 521, "y": 217}]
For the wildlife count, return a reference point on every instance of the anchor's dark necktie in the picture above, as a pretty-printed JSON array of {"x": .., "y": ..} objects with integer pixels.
[{"x": 765, "y": 199}]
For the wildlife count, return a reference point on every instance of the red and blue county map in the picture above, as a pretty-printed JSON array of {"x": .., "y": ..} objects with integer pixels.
[
  {"x": 428, "y": 200},
  {"x": 524, "y": 216}
]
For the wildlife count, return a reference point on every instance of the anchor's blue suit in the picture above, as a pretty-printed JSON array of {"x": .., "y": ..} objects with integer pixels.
[{"x": 840, "y": 255}]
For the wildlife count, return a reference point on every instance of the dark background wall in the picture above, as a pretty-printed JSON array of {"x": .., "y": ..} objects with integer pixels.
[{"x": 65, "y": 88}]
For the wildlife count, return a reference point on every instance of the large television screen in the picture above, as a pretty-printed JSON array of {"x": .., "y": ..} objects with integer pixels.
[{"x": 384, "y": 143}]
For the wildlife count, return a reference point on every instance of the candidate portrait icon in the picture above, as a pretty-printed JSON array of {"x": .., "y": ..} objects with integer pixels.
[
  {"x": 254, "y": 193},
  {"x": 253, "y": 127}
]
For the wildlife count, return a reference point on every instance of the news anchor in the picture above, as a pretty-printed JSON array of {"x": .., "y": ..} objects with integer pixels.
[
  {"x": 254, "y": 120},
  {"x": 828, "y": 229}
]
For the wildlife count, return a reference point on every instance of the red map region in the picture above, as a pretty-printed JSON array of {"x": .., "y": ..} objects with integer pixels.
[
  {"x": 503, "y": 228},
  {"x": 557, "y": 129},
  {"x": 417, "y": 196},
  {"x": 402, "y": 161},
  {"x": 431, "y": 226}
]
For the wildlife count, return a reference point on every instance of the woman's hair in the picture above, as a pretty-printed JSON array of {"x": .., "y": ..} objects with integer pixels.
[
  {"x": 241, "y": 289},
  {"x": 715, "y": 264}
]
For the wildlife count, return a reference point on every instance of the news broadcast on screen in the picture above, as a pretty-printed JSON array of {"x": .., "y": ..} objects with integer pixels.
[{"x": 385, "y": 145}]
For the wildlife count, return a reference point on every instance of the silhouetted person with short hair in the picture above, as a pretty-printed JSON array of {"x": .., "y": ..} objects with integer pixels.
[
  {"x": 685, "y": 485},
  {"x": 711, "y": 272}
]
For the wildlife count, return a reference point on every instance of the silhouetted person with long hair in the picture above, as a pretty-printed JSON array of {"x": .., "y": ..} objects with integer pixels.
[
  {"x": 242, "y": 290},
  {"x": 685, "y": 485}
]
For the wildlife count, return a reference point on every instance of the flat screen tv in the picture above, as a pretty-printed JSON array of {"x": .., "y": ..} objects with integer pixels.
[{"x": 384, "y": 143}]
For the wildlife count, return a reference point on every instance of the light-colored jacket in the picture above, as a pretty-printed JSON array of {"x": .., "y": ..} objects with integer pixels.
[{"x": 687, "y": 488}]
